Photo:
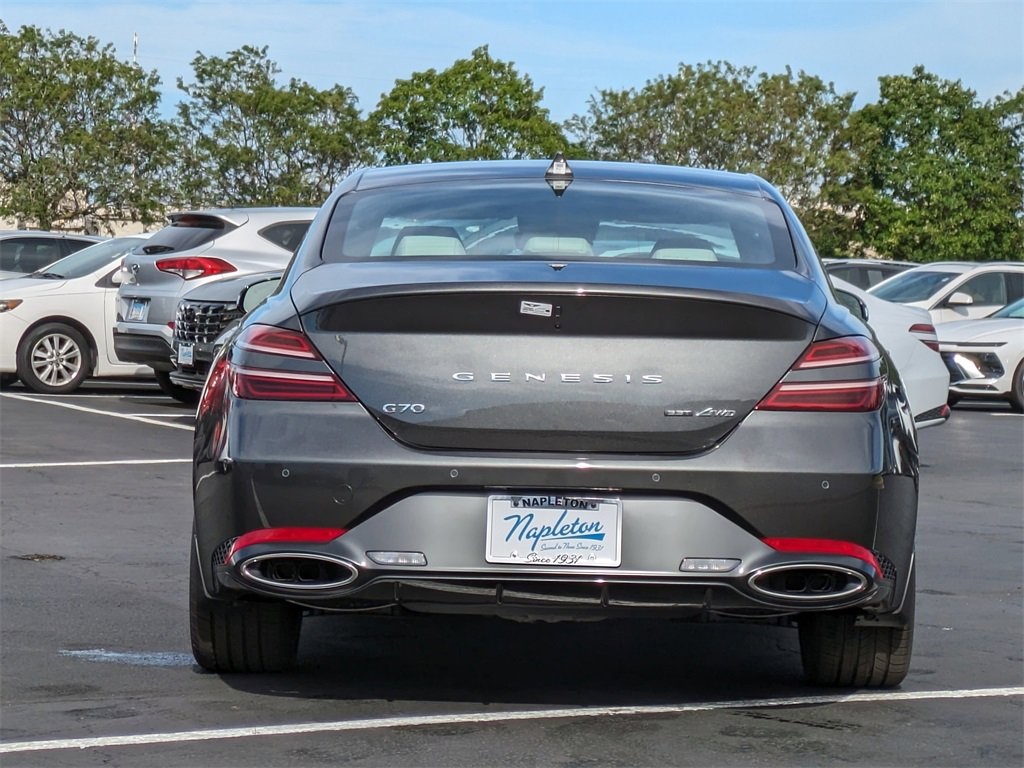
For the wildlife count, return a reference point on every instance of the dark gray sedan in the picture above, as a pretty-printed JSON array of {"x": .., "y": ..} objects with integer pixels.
[{"x": 556, "y": 392}]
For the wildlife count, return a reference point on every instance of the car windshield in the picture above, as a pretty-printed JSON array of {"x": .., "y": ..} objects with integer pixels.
[
  {"x": 1015, "y": 310},
  {"x": 524, "y": 219},
  {"x": 914, "y": 285},
  {"x": 88, "y": 260}
]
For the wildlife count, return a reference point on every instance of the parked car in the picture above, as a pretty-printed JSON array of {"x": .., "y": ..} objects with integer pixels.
[
  {"x": 864, "y": 273},
  {"x": 986, "y": 357},
  {"x": 956, "y": 290},
  {"x": 195, "y": 248},
  {"x": 56, "y": 326},
  {"x": 23, "y": 251},
  {"x": 207, "y": 313},
  {"x": 909, "y": 337},
  {"x": 554, "y": 392}
]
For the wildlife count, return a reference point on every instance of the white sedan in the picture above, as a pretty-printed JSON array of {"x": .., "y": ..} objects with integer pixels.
[
  {"x": 986, "y": 357},
  {"x": 56, "y": 325},
  {"x": 908, "y": 335}
]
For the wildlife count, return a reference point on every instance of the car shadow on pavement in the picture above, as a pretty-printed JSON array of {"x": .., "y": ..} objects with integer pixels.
[{"x": 472, "y": 659}]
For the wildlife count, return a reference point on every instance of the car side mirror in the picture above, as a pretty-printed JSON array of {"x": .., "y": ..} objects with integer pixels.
[
  {"x": 960, "y": 299},
  {"x": 117, "y": 276},
  {"x": 255, "y": 295},
  {"x": 853, "y": 303}
]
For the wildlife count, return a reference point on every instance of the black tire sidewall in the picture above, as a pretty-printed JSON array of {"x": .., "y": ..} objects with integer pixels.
[
  {"x": 179, "y": 393},
  {"x": 28, "y": 376},
  {"x": 1017, "y": 388}
]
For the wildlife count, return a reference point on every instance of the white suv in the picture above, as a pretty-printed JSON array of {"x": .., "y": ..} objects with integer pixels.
[
  {"x": 197, "y": 247},
  {"x": 955, "y": 290}
]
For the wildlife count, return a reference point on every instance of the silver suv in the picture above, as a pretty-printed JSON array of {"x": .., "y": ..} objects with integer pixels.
[{"x": 195, "y": 248}]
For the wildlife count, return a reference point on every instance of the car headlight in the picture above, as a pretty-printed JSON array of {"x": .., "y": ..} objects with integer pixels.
[{"x": 6, "y": 305}]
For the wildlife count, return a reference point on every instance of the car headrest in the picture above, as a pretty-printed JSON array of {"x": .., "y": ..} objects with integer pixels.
[
  {"x": 555, "y": 245},
  {"x": 428, "y": 241}
]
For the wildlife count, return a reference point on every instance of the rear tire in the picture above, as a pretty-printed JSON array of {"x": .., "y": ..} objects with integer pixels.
[
  {"x": 240, "y": 636},
  {"x": 837, "y": 652},
  {"x": 1017, "y": 389},
  {"x": 179, "y": 393}
]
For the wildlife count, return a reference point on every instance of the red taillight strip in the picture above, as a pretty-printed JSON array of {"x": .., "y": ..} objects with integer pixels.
[
  {"x": 826, "y": 547},
  {"x": 275, "y": 341},
  {"x": 843, "y": 351},
  {"x": 291, "y": 535},
  {"x": 848, "y": 396},
  {"x": 260, "y": 384}
]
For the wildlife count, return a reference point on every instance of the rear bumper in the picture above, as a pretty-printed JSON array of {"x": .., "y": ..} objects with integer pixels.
[
  {"x": 448, "y": 530},
  {"x": 193, "y": 376},
  {"x": 332, "y": 466},
  {"x": 148, "y": 349}
]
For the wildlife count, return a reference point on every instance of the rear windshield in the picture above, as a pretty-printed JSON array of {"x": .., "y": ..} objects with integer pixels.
[
  {"x": 88, "y": 260},
  {"x": 186, "y": 233},
  {"x": 524, "y": 219}
]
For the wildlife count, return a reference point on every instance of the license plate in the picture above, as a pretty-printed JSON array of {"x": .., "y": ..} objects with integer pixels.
[
  {"x": 138, "y": 309},
  {"x": 185, "y": 354},
  {"x": 554, "y": 530}
]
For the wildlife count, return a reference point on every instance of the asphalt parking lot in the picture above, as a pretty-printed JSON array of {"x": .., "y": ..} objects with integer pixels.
[{"x": 95, "y": 667}]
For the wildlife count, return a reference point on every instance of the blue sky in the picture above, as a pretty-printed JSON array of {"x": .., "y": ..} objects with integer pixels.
[{"x": 571, "y": 48}]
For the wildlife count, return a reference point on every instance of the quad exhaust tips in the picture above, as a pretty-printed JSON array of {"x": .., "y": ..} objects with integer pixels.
[
  {"x": 809, "y": 583},
  {"x": 274, "y": 558},
  {"x": 297, "y": 571}
]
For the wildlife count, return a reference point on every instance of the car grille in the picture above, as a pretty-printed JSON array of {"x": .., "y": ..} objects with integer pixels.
[{"x": 201, "y": 322}]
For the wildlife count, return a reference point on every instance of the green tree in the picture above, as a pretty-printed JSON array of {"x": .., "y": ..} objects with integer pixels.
[
  {"x": 80, "y": 138},
  {"x": 716, "y": 115},
  {"x": 479, "y": 108},
  {"x": 935, "y": 174},
  {"x": 245, "y": 140}
]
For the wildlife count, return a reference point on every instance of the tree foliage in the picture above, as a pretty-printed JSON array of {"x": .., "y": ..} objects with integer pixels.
[
  {"x": 80, "y": 136},
  {"x": 245, "y": 140},
  {"x": 935, "y": 174},
  {"x": 479, "y": 108},
  {"x": 925, "y": 173},
  {"x": 716, "y": 115}
]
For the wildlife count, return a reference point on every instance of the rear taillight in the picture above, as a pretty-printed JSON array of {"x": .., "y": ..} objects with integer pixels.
[
  {"x": 284, "y": 381},
  {"x": 193, "y": 267},
  {"x": 925, "y": 332},
  {"x": 839, "y": 392}
]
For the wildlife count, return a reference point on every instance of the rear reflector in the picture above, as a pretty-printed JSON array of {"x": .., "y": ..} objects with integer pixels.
[
  {"x": 826, "y": 547},
  {"x": 283, "y": 536},
  {"x": 398, "y": 558},
  {"x": 192, "y": 267},
  {"x": 708, "y": 564}
]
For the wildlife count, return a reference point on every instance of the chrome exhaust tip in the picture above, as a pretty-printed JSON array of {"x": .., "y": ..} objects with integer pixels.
[
  {"x": 302, "y": 571},
  {"x": 809, "y": 583}
]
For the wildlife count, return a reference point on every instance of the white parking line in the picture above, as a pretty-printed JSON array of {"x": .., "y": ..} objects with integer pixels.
[
  {"x": 163, "y": 415},
  {"x": 117, "y": 462},
  {"x": 492, "y": 717},
  {"x": 141, "y": 419},
  {"x": 156, "y": 393}
]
